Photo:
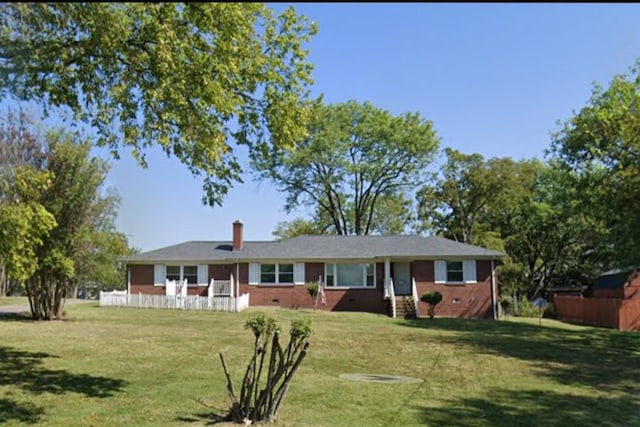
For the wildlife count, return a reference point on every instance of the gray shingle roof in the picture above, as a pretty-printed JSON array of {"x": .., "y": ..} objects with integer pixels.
[{"x": 318, "y": 247}]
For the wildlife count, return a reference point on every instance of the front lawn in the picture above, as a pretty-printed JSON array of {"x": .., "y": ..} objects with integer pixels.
[{"x": 126, "y": 367}]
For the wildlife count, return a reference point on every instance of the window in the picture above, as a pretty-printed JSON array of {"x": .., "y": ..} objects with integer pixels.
[
  {"x": 370, "y": 279},
  {"x": 285, "y": 273},
  {"x": 276, "y": 273},
  {"x": 268, "y": 273},
  {"x": 455, "y": 272},
  {"x": 173, "y": 272},
  {"x": 349, "y": 275},
  {"x": 189, "y": 272},
  {"x": 289, "y": 273}
]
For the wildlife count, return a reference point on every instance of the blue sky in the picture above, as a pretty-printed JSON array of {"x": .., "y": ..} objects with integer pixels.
[{"x": 494, "y": 79}]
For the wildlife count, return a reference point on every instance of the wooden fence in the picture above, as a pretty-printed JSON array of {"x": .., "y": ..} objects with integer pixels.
[
  {"x": 609, "y": 312},
  {"x": 189, "y": 302}
]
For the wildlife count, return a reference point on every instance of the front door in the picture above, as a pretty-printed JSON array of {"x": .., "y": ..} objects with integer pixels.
[{"x": 402, "y": 278}]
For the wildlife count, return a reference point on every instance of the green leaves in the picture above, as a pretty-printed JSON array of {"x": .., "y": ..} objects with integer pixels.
[
  {"x": 601, "y": 143},
  {"x": 56, "y": 226},
  {"x": 194, "y": 78},
  {"x": 357, "y": 160}
]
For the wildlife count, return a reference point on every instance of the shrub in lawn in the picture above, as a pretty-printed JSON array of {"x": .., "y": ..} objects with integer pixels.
[
  {"x": 506, "y": 302},
  {"x": 265, "y": 386},
  {"x": 432, "y": 298},
  {"x": 549, "y": 311},
  {"x": 527, "y": 309},
  {"x": 312, "y": 288}
]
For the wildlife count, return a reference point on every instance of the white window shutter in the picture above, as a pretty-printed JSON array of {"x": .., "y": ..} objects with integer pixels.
[
  {"x": 470, "y": 271},
  {"x": 441, "y": 271},
  {"x": 203, "y": 274},
  {"x": 158, "y": 275},
  {"x": 254, "y": 273},
  {"x": 298, "y": 273}
]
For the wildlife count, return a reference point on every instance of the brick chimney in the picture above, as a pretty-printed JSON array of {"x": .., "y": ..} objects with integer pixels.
[{"x": 237, "y": 235}]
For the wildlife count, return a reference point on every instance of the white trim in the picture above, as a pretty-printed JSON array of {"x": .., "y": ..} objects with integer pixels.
[
  {"x": 159, "y": 275},
  {"x": 440, "y": 268},
  {"x": 469, "y": 271},
  {"x": 203, "y": 274},
  {"x": 298, "y": 273},
  {"x": 254, "y": 273}
]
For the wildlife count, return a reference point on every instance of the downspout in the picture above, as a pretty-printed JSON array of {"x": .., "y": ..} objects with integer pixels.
[
  {"x": 494, "y": 298},
  {"x": 237, "y": 284},
  {"x": 128, "y": 280}
]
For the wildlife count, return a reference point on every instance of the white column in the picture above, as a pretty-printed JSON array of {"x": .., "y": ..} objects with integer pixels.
[{"x": 387, "y": 271}]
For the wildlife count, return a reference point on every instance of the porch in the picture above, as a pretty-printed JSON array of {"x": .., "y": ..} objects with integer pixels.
[{"x": 400, "y": 290}]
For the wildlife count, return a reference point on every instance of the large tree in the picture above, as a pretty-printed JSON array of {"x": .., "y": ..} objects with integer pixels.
[
  {"x": 24, "y": 221},
  {"x": 56, "y": 220},
  {"x": 527, "y": 208},
  {"x": 356, "y": 159},
  {"x": 193, "y": 78},
  {"x": 601, "y": 144},
  {"x": 470, "y": 191}
]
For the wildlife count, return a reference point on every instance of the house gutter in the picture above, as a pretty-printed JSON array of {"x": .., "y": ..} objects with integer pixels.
[
  {"x": 237, "y": 284},
  {"x": 494, "y": 298}
]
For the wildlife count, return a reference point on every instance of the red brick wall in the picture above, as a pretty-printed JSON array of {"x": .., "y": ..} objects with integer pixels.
[
  {"x": 313, "y": 270},
  {"x": 142, "y": 280},
  {"x": 221, "y": 271},
  {"x": 297, "y": 296},
  {"x": 472, "y": 300},
  {"x": 380, "y": 275},
  {"x": 243, "y": 278},
  {"x": 142, "y": 277},
  {"x": 422, "y": 271}
]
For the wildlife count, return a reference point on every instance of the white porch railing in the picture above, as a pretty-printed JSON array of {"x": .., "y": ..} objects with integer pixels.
[
  {"x": 184, "y": 302},
  {"x": 221, "y": 288},
  {"x": 390, "y": 294},
  {"x": 175, "y": 287},
  {"x": 414, "y": 294}
]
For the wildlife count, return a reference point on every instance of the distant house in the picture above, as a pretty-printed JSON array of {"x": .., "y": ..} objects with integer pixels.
[
  {"x": 379, "y": 274},
  {"x": 615, "y": 284},
  {"x": 614, "y": 302}
]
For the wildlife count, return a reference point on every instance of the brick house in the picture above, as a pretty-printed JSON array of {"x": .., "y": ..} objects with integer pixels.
[{"x": 359, "y": 273}]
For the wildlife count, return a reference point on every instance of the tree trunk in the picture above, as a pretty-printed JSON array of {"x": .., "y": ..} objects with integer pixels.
[{"x": 3, "y": 281}]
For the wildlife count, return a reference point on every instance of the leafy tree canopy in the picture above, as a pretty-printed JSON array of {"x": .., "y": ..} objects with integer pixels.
[
  {"x": 601, "y": 143},
  {"x": 193, "y": 78},
  {"x": 357, "y": 160}
]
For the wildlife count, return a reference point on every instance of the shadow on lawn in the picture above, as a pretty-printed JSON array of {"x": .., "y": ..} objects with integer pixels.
[
  {"x": 26, "y": 412},
  {"x": 16, "y": 317},
  {"x": 604, "y": 359},
  {"x": 208, "y": 418},
  {"x": 507, "y": 408},
  {"x": 25, "y": 370}
]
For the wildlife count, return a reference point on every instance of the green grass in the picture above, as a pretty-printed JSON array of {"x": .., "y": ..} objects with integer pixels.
[
  {"x": 126, "y": 367},
  {"x": 13, "y": 301}
]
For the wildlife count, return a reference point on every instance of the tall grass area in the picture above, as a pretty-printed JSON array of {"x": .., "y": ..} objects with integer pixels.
[{"x": 129, "y": 367}]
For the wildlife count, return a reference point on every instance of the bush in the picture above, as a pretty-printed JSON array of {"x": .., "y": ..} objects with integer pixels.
[
  {"x": 527, "y": 309},
  {"x": 269, "y": 371},
  {"x": 549, "y": 311},
  {"x": 432, "y": 298},
  {"x": 312, "y": 288},
  {"x": 506, "y": 302}
]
